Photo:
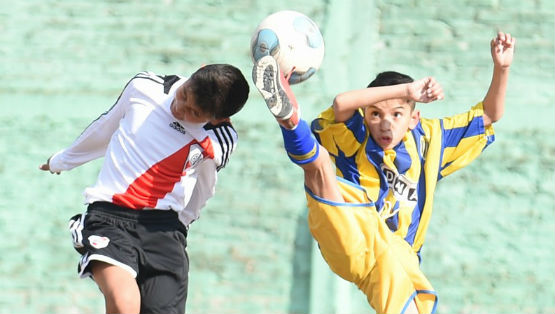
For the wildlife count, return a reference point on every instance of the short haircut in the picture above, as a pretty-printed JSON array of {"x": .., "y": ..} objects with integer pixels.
[
  {"x": 390, "y": 78},
  {"x": 219, "y": 89}
]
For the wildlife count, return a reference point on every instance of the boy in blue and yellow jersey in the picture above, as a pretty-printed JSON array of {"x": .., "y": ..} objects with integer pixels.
[{"x": 370, "y": 215}]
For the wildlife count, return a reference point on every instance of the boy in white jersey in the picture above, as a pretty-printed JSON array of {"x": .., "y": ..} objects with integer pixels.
[
  {"x": 163, "y": 142},
  {"x": 369, "y": 218}
]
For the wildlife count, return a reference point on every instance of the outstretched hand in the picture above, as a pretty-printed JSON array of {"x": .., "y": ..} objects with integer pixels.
[
  {"x": 502, "y": 49},
  {"x": 46, "y": 167},
  {"x": 425, "y": 90}
]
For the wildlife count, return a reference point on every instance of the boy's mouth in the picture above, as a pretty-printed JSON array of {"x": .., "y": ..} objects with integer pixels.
[{"x": 385, "y": 140}]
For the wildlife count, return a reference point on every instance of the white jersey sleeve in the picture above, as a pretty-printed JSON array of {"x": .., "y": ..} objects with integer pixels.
[
  {"x": 224, "y": 141},
  {"x": 204, "y": 188},
  {"x": 92, "y": 142}
]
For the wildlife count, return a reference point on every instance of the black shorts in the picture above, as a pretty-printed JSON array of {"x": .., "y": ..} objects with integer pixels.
[{"x": 149, "y": 244}]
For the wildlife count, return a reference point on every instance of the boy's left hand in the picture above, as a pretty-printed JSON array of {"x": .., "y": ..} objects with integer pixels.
[
  {"x": 46, "y": 167},
  {"x": 502, "y": 49}
]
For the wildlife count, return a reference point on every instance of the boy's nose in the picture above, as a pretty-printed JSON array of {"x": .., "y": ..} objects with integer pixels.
[{"x": 385, "y": 124}]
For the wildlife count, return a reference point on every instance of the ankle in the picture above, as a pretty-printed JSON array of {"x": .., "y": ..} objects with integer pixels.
[{"x": 290, "y": 123}]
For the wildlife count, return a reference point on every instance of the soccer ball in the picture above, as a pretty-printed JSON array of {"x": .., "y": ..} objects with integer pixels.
[{"x": 294, "y": 40}]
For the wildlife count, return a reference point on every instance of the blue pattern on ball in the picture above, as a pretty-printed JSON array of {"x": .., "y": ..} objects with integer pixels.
[
  {"x": 267, "y": 43},
  {"x": 305, "y": 26},
  {"x": 297, "y": 78}
]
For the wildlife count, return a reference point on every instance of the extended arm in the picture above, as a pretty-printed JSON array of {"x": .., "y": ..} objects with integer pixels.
[
  {"x": 93, "y": 141},
  {"x": 502, "y": 49},
  {"x": 424, "y": 90}
]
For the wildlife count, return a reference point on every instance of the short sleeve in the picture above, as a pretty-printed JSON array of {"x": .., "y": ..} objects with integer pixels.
[
  {"x": 339, "y": 136},
  {"x": 464, "y": 137}
]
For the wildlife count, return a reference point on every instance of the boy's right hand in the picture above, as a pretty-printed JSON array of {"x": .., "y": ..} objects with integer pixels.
[{"x": 425, "y": 90}]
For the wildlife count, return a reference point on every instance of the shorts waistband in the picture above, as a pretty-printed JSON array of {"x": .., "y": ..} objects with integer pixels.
[{"x": 134, "y": 214}]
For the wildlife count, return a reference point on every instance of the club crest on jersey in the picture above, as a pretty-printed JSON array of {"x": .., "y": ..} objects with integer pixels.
[
  {"x": 176, "y": 126},
  {"x": 403, "y": 188},
  {"x": 195, "y": 156},
  {"x": 98, "y": 242}
]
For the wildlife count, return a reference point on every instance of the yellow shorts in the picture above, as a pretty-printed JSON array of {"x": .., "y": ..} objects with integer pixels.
[{"x": 359, "y": 247}]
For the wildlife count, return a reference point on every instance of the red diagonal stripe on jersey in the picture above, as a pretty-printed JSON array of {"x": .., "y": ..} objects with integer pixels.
[
  {"x": 155, "y": 183},
  {"x": 208, "y": 150},
  {"x": 160, "y": 179}
]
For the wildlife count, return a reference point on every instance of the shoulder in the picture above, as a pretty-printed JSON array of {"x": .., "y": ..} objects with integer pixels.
[
  {"x": 150, "y": 82},
  {"x": 427, "y": 125},
  {"x": 224, "y": 140},
  {"x": 221, "y": 132}
]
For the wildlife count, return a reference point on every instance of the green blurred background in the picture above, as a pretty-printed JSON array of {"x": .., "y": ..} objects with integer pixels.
[{"x": 490, "y": 246}]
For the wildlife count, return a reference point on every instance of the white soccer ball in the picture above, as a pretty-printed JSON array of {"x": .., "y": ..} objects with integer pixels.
[{"x": 294, "y": 40}]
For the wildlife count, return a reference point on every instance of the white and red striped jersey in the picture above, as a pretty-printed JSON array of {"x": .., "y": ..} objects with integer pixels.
[{"x": 151, "y": 159}]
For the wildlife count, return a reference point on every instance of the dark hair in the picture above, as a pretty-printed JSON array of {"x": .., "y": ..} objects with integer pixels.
[
  {"x": 390, "y": 78},
  {"x": 219, "y": 89}
]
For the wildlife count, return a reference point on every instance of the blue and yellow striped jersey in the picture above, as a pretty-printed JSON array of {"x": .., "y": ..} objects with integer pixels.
[{"x": 401, "y": 181}]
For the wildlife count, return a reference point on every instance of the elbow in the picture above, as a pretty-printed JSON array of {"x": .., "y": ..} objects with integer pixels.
[
  {"x": 490, "y": 119},
  {"x": 337, "y": 106},
  {"x": 496, "y": 118},
  {"x": 337, "y": 102}
]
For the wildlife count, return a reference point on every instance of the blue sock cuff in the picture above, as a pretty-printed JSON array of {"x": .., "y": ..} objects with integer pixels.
[{"x": 300, "y": 144}]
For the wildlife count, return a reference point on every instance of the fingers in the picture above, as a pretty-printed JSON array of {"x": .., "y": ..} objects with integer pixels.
[
  {"x": 504, "y": 40},
  {"x": 46, "y": 167},
  {"x": 433, "y": 90},
  {"x": 425, "y": 90}
]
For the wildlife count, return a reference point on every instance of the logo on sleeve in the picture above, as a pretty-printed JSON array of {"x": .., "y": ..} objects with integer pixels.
[{"x": 98, "y": 242}]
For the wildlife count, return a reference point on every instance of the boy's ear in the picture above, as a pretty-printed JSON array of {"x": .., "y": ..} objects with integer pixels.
[{"x": 414, "y": 119}]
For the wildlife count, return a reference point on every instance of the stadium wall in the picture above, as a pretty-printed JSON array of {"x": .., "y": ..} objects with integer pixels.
[{"x": 490, "y": 246}]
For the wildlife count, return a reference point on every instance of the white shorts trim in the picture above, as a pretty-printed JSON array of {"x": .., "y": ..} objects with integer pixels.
[{"x": 86, "y": 259}]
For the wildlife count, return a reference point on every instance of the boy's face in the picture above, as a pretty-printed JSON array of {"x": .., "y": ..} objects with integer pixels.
[
  {"x": 389, "y": 120},
  {"x": 184, "y": 107}
]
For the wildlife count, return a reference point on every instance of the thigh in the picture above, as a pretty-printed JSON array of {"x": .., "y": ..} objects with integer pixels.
[
  {"x": 320, "y": 177},
  {"x": 118, "y": 286},
  {"x": 105, "y": 238},
  {"x": 344, "y": 238},
  {"x": 398, "y": 267},
  {"x": 349, "y": 233},
  {"x": 163, "y": 272}
]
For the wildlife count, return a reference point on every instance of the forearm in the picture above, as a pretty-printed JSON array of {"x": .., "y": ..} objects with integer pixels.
[
  {"x": 345, "y": 104},
  {"x": 494, "y": 101},
  {"x": 92, "y": 142},
  {"x": 79, "y": 152}
]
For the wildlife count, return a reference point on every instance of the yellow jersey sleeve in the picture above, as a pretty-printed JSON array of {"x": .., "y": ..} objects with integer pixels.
[{"x": 339, "y": 137}]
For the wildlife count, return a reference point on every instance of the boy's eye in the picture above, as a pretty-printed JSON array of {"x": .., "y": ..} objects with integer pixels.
[
  {"x": 397, "y": 114},
  {"x": 374, "y": 114}
]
